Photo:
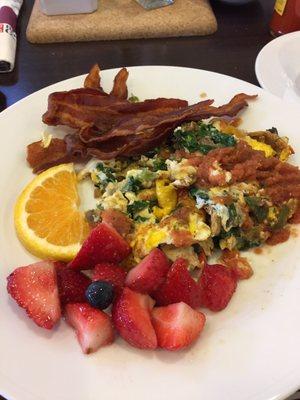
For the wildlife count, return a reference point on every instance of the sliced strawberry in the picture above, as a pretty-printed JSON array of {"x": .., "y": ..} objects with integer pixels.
[
  {"x": 179, "y": 286},
  {"x": 93, "y": 327},
  {"x": 110, "y": 273},
  {"x": 120, "y": 221},
  {"x": 34, "y": 288},
  {"x": 217, "y": 285},
  {"x": 104, "y": 244},
  {"x": 71, "y": 285},
  {"x": 177, "y": 326},
  {"x": 131, "y": 317},
  {"x": 149, "y": 274}
]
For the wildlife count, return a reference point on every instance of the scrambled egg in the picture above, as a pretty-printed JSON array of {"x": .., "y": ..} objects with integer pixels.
[
  {"x": 166, "y": 198},
  {"x": 256, "y": 145},
  {"x": 199, "y": 229},
  {"x": 161, "y": 195},
  {"x": 182, "y": 174}
]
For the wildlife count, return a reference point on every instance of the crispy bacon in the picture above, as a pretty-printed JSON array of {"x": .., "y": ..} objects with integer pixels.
[
  {"x": 41, "y": 158},
  {"x": 108, "y": 125},
  {"x": 120, "y": 88},
  {"x": 92, "y": 81}
]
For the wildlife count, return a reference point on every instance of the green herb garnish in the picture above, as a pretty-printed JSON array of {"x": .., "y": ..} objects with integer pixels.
[
  {"x": 105, "y": 175},
  {"x": 159, "y": 164},
  {"x": 132, "y": 184},
  {"x": 200, "y": 195},
  {"x": 259, "y": 210},
  {"x": 233, "y": 219},
  {"x": 282, "y": 217},
  {"x": 133, "y": 98},
  {"x": 203, "y": 139},
  {"x": 139, "y": 218}
]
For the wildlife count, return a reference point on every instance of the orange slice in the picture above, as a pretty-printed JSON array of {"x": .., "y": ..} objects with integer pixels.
[{"x": 47, "y": 216}]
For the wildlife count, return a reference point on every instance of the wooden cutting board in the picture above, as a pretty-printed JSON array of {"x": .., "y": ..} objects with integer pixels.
[{"x": 123, "y": 19}]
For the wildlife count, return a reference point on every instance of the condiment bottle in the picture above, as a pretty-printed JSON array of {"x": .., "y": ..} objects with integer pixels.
[{"x": 286, "y": 17}]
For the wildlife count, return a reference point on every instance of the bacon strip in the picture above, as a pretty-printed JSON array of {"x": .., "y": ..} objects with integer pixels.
[
  {"x": 58, "y": 152},
  {"x": 92, "y": 81},
  {"x": 120, "y": 88},
  {"x": 108, "y": 125}
]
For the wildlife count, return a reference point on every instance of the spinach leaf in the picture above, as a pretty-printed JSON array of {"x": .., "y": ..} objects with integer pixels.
[
  {"x": 132, "y": 184},
  {"x": 200, "y": 195},
  {"x": 234, "y": 218},
  {"x": 159, "y": 164},
  {"x": 282, "y": 217},
  {"x": 203, "y": 139},
  {"x": 197, "y": 192},
  {"x": 245, "y": 240},
  {"x": 137, "y": 206},
  {"x": 133, "y": 98},
  {"x": 139, "y": 218},
  {"x": 106, "y": 174},
  {"x": 224, "y": 139},
  {"x": 259, "y": 210}
]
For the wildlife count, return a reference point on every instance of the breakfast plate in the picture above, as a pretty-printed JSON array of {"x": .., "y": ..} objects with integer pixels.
[
  {"x": 250, "y": 351},
  {"x": 277, "y": 67}
]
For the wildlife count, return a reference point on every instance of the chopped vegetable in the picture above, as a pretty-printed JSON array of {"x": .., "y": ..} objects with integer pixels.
[
  {"x": 159, "y": 164},
  {"x": 133, "y": 98},
  {"x": 132, "y": 184},
  {"x": 256, "y": 205},
  {"x": 200, "y": 195},
  {"x": 203, "y": 139},
  {"x": 137, "y": 206},
  {"x": 105, "y": 175},
  {"x": 282, "y": 217}
]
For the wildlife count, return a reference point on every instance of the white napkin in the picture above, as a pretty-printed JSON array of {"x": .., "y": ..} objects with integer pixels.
[{"x": 9, "y": 11}]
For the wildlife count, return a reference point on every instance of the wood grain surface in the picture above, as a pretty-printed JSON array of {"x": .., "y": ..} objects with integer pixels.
[{"x": 123, "y": 19}]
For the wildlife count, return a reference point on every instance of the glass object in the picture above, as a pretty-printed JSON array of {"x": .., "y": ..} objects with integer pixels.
[
  {"x": 286, "y": 17},
  {"x": 151, "y": 4},
  {"x": 58, "y": 7}
]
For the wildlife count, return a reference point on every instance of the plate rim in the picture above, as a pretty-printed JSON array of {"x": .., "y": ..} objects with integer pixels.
[{"x": 11, "y": 108}]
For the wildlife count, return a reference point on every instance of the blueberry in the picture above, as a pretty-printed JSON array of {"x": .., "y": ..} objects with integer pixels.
[{"x": 100, "y": 294}]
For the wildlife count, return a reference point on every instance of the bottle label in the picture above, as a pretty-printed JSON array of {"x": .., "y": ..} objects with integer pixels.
[{"x": 280, "y": 6}]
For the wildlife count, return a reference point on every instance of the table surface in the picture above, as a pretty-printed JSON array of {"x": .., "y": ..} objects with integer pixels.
[
  {"x": 242, "y": 32},
  {"x": 232, "y": 50}
]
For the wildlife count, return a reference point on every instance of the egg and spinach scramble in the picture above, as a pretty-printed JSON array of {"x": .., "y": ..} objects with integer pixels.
[{"x": 160, "y": 192}]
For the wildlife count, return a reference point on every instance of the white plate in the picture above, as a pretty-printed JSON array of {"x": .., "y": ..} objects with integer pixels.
[
  {"x": 250, "y": 351},
  {"x": 277, "y": 67}
]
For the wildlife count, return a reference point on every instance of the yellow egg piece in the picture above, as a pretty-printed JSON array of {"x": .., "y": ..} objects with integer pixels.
[
  {"x": 256, "y": 145},
  {"x": 166, "y": 197}
]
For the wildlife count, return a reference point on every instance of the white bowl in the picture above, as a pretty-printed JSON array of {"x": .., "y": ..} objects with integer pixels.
[{"x": 277, "y": 67}]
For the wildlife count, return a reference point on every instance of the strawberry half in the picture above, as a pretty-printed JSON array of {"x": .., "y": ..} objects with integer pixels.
[
  {"x": 71, "y": 285},
  {"x": 131, "y": 317},
  {"x": 110, "y": 273},
  {"x": 149, "y": 274},
  {"x": 104, "y": 244},
  {"x": 93, "y": 327},
  {"x": 177, "y": 326},
  {"x": 217, "y": 285},
  {"x": 178, "y": 286},
  {"x": 34, "y": 288}
]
